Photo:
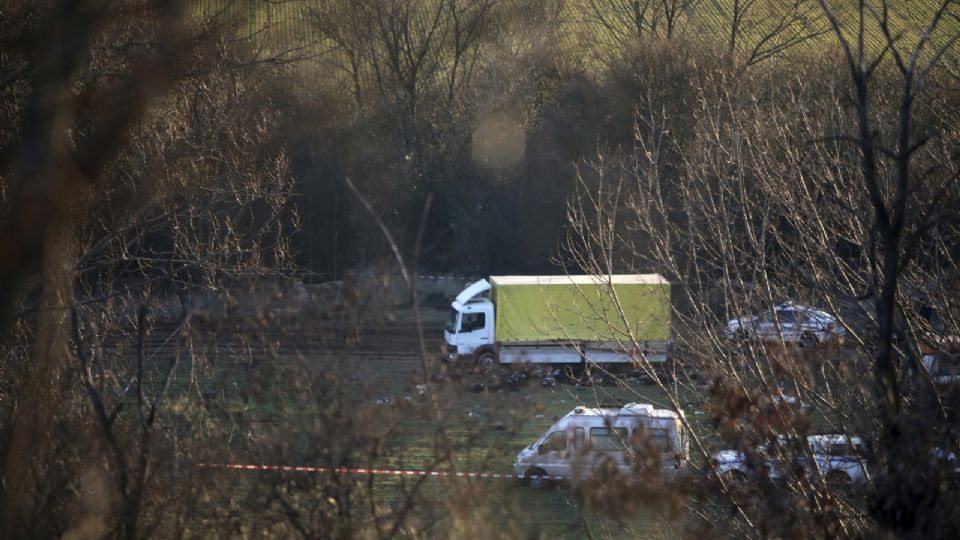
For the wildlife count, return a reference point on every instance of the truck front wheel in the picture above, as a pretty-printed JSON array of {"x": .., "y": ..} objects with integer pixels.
[{"x": 487, "y": 361}]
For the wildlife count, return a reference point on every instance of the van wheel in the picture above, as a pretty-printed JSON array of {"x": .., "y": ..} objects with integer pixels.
[
  {"x": 487, "y": 362},
  {"x": 536, "y": 478}
]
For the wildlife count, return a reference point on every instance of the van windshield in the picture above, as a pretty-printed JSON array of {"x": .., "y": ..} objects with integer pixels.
[{"x": 452, "y": 321}]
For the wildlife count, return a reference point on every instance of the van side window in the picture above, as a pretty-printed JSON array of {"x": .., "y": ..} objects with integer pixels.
[
  {"x": 660, "y": 440},
  {"x": 556, "y": 442},
  {"x": 472, "y": 321},
  {"x": 608, "y": 439},
  {"x": 579, "y": 439},
  {"x": 651, "y": 439}
]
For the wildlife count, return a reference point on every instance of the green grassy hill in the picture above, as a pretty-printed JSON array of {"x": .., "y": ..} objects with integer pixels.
[{"x": 763, "y": 24}]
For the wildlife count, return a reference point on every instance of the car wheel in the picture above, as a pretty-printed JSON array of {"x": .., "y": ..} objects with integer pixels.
[
  {"x": 808, "y": 339},
  {"x": 838, "y": 480},
  {"x": 536, "y": 478},
  {"x": 735, "y": 478},
  {"x": 739, "y": 336},
  {"x": 487, "y": 362}
]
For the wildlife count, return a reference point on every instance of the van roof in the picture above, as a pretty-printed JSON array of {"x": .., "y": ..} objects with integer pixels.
[{"x": 633, "y": 409}]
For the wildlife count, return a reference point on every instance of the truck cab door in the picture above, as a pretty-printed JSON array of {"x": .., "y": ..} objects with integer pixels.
[{"x": 475, "y": 331}]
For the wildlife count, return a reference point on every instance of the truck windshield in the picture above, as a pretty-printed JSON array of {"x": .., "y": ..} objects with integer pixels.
[{"x": 452, "y": 321}]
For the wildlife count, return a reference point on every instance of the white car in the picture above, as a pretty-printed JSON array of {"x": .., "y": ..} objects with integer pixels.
[
  {"x": 838, "y": 459},
  {"x": 800, "y": 324}
]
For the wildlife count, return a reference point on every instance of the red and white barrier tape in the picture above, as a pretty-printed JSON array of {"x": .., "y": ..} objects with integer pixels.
[{"x": 386, "y": 472}]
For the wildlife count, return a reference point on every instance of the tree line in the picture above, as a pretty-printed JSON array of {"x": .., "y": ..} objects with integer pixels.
[{"x": 489, "y": 106}]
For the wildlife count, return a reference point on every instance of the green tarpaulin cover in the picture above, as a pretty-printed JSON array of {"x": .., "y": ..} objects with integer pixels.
[{"x": 581, "y": 308}]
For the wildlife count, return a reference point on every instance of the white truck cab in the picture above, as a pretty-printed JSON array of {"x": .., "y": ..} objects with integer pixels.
[
  {"x": 470, "y": 325},
  {"x": 586, "y": 439}
]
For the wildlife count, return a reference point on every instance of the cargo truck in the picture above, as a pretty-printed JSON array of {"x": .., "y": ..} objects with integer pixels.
[{"x": 613, "y": 319}]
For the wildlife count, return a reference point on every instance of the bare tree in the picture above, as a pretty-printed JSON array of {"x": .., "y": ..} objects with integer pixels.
[
  {"x": 151, "y": 174},
  {"x": 628, "y": 21},
  {"x": 674, "y": 12},
  {"x": 770, "y": 204},
  {"x": 467, "y": 24},
  {"x": 903, "y": 200},
  {"x": 620, "y": 25},
  {"x": 763, "y": 29},
  {"x": 624, "y": 21},
  {"x": 347, "y": 29}
]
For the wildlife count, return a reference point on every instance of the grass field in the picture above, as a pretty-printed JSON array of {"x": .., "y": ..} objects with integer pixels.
[
  {"x": 380, "y": 367},
  {"x": 487, "y": 445},
  {"x": 284, "y": 387}
]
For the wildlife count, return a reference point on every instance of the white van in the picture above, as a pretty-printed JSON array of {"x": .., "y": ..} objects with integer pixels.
[{"x": 588, "y": 438}]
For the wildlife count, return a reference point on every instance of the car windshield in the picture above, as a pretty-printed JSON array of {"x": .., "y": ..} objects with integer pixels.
[
  {"x": 813, "y": 313},
  {"x": 452, "y": 321},
  {"x": 785, "y": 315},
  {"x": 820, "y": 313}
]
